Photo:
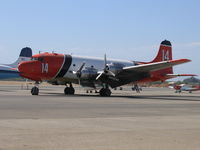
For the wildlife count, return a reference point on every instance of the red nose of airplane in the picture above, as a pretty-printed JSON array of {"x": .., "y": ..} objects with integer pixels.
[{"x": 30, "y": 70}]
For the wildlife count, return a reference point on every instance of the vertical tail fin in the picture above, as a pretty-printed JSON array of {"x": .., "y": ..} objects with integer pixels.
[
  {"x": 164, "y": 54},
  {"x": 25, "y": 54}
]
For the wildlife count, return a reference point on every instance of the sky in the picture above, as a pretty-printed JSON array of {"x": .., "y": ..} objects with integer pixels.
[{"x": 123, "y": 29}]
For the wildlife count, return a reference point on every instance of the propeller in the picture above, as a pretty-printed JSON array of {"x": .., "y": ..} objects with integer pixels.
[
  {"x": 78, "y": 72},
  {"x": 106, "y": 70},
  {"x": 105, "y": 63}
]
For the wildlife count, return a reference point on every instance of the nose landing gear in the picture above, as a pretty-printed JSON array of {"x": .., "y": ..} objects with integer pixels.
[
  {"x": 69, "y": 90},
  {"x": 35, "y": 89}
]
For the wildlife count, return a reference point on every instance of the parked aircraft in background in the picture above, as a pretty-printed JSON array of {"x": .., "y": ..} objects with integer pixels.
[
  {"x": 185, "y": 87},
  {"x": 11, "y": 70},
  {"x": 97, "y": 73}
]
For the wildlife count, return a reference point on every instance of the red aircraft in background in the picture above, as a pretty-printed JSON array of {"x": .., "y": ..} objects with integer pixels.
[
  {"x": 185, "y": 87},
  {"x": 97, "y": 73}
]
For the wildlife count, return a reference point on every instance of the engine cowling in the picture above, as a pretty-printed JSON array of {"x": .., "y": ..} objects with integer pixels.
[
  {"x": 87, "y": 76},
  {"x": 88, "y": 73},
  {"x": 115, "y": 67}
]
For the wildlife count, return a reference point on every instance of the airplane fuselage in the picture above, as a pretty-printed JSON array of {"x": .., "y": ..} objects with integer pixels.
[{"x": 61, "y": 69}]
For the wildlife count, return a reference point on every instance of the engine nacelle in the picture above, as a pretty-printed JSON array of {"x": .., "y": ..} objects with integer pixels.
[
  {"x": 115, "y": 67},
  {"x": 88, "y": 73}
]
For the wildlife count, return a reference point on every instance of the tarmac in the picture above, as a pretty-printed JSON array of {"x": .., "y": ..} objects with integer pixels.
[{"x": 155, "y": 119}]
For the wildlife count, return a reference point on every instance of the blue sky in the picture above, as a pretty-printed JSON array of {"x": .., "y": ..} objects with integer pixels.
[{"x": 124, "y": 29}]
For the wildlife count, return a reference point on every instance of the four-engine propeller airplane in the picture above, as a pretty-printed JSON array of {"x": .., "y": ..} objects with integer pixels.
[{"x": 61, "y": 69}]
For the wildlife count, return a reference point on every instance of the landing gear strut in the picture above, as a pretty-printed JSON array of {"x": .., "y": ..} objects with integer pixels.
[
  {"x": 69, "y": 90},
  {"x": 136, "y": 88},
  {"x": 105, "y": 91},
  {"x": 35, "y": 89}
]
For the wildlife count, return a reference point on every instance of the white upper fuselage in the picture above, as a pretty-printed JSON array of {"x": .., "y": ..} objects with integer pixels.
[{"x": 92, "y": 62}]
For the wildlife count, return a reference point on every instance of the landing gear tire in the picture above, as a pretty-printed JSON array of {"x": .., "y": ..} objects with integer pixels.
[
  {"x": 105, "y": 92},
  {"x": 35, "y": 91},
  {"x": 69, "y": 91}
]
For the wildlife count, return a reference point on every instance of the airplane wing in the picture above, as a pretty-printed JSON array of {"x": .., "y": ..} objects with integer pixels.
[
  {"x": 180, "y": 75},
  {"x": 155, "y": 66},
  {"x": 135, "y": 73}
]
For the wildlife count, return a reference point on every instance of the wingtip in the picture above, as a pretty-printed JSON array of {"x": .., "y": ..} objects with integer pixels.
[
  {"x": 188, "y": 60},
  {"x": 181, "y": 60},
  {"x": 185, "y": 75}
]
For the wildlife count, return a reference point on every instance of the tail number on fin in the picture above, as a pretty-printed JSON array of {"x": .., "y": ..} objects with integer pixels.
[
  {"x": 165, "y": 55},
  {"x": 45, "y": 68}
]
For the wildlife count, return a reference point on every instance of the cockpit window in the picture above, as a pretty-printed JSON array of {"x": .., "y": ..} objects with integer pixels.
[
  {"x": 37, "y": 58},
  {"x": 40, "y": 59},
  {"x": 34, "y": 58}
]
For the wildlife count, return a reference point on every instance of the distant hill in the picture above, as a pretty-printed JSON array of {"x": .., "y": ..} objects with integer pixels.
[{"x": 191, "y": 80}]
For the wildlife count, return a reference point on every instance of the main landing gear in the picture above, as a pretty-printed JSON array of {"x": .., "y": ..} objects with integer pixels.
[
  {"x": 35, "y": 89},
  {"x": 105, "y": 91},
  {"x": 69, "y": 90}
]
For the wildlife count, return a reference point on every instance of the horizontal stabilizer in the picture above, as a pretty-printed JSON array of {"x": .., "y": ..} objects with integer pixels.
[{"x": 180, "y": 75}]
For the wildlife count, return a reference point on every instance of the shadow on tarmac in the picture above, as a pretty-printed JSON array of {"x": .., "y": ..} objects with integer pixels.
[{"x": 144, "y": 97}]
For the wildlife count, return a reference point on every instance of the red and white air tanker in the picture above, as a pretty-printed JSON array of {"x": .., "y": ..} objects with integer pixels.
[{"x": 97, "y": 73}]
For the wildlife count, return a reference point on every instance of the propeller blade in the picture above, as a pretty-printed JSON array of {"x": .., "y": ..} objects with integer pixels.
[
  {"x": 78, "y": 73},
  {"x": 99, "y": 75},
  {"x": 106, "y": 70},
  {"x": 81, "y": 67},
  {"x": 105, "y": 62},
  {"x": 110, "y": 73}
]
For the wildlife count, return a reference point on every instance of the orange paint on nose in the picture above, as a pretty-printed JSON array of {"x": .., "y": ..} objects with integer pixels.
[
  {"x": 30, "y": 70},
  {"x": 44, "y": 66}
]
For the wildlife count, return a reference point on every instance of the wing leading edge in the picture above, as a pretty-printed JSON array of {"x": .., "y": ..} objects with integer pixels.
[
  {"x": 155, "y": 66},
  {"x": 140, "y": 72}
]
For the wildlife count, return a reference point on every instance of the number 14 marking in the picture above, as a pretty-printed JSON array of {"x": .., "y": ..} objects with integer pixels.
[{"x": 45, "y": 68}]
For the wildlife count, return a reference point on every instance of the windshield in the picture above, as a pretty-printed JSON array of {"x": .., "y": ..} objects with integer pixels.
[{"x": 37, "y": 58}]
